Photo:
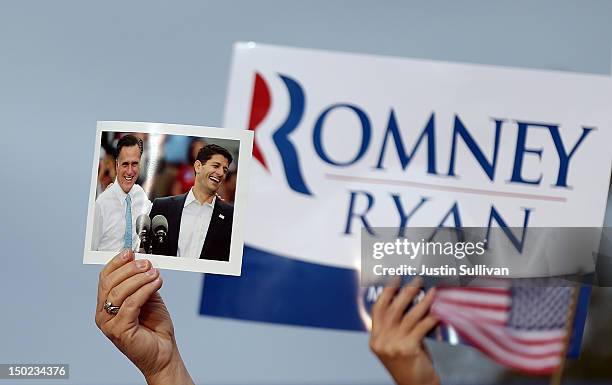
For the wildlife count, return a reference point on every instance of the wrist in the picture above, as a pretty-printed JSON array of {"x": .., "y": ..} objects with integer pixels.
[
  {"x": 403, "y": 373},
  {"x": 174, "y": 373}
]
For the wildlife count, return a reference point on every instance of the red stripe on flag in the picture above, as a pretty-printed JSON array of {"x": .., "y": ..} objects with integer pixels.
[
  {"x": 474, "y": 304},
  {"x": 479, "y": 316}
]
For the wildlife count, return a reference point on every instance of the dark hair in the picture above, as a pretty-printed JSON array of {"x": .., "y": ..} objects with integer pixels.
[
  {"x": 128, "y": 141},
  {"x": 208, "y": 151},
  {"x": 192, "y": 158}
]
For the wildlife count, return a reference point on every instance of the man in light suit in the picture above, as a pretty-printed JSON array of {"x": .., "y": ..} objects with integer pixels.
[
  {"x": 118, "y": 207},
  {"x": 200, "y": 223}
]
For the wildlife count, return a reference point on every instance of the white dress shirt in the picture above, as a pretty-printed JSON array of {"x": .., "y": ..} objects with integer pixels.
[
  {"x": 194, "y": 226},
  {"x": 109, "y": 217}
]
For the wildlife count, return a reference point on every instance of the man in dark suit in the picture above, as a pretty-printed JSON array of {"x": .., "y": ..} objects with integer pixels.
[{"x": 199, "y": 222}]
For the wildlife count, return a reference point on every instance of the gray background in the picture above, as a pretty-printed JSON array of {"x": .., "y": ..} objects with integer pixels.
[{"x": 66, "y": 64}]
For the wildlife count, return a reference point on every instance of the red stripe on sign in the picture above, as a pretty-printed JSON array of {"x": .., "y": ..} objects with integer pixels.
[{"x": 260, "y": 105}]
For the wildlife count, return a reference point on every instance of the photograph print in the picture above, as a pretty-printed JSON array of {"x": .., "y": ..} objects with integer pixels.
[{"x": 174, "y": 194}]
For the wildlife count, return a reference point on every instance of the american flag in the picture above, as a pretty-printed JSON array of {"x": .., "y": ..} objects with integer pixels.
[{"x": 520, "y": 327}]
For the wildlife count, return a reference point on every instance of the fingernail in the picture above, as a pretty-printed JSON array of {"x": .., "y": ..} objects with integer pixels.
[
  {"x": 151, "y": 271},
  {"x": 141, "y": 263},
  {"x": 125, "y": 254}
]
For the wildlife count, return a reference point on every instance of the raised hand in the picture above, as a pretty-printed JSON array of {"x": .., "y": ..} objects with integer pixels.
[
  {"x": 132, "y": 314},
  {"x": 397, "y": 336}
]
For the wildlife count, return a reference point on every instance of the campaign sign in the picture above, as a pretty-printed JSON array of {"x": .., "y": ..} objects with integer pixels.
[{"x": 345, "y": 142}]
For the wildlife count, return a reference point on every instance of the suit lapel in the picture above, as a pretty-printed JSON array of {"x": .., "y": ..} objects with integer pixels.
[
  {"x": 215, "y": 223},
  {"x": 176, "y": 211}
]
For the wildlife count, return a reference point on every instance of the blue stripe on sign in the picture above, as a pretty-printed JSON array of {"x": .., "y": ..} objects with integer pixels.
[{"x": 277, "y": 289}]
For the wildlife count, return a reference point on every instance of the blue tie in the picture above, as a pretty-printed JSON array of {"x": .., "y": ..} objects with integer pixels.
[{"x": 127, "y": 239}]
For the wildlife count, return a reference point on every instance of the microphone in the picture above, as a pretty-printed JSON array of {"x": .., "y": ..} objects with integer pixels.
[
  {"x": 159, "y": 225},
  {"x": 143, "y": 229}
]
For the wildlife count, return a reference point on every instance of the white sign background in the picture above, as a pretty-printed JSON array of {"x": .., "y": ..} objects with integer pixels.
[{"x": 311, "y": 228}]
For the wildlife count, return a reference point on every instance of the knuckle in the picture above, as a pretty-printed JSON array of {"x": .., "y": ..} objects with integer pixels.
[
  {"x": 392, "y": 352},
  {"x": 113, "y": 293},
  {"x": 388, "y": 352},
  {"x": 133, "y": 267},
  {"x": 409, "y": 348},
  {"x": 380, "y": 347},
  {"x": 129, "y": 303},
  {"x": 104, "y": 284},
  {"x": 404, "y": 352},
  {"x": 373, "y": 339},
  {"x": 411, "y": 291},
  {"x": 374, "y": 346}
]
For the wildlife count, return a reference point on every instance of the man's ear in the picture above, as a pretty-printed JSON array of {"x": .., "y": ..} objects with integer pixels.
[{"x": 197, "y": 165}]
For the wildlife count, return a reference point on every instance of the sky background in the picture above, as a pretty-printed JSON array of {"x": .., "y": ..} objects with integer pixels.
[{"x": 66, "y": 64}]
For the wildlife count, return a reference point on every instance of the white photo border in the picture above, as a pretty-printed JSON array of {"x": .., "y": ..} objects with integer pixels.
[{"x": 231, "y": 267}]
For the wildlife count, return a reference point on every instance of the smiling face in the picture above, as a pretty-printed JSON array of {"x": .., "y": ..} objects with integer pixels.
[
  {"x": 210, "y": 175},
  {"x": 128, "y": 167}
]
